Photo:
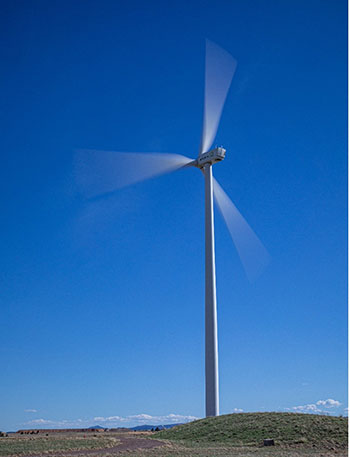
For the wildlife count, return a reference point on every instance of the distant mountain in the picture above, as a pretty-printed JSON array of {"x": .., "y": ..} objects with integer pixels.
[
  {"x": 147, "y": 427},
  {"x": 97, "y": 427}
]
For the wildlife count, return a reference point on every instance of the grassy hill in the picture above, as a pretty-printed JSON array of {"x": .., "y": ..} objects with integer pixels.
[{"x": 250, "y": 429}]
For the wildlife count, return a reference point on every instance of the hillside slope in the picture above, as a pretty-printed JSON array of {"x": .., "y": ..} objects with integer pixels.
[{"x": 250, "y": 429}]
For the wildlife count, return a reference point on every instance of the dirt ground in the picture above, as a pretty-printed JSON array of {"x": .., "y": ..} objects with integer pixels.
[
  {"x": 75, "y": 444},
  {"x": 125, "y": 443}
]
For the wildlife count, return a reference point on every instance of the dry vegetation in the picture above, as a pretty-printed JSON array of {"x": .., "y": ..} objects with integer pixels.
[
  {"x": 16, "y": 444},
  {"x": 250, "y": 429}
]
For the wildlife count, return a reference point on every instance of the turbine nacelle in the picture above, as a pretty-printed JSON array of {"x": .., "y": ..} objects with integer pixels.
[{"x": 211, "y": 157}]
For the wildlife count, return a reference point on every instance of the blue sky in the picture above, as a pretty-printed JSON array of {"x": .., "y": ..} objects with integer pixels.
[{"x": 102, "y": 302}]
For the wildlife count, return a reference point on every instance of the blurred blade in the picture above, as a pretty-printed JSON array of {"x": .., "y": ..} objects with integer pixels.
[
  {"x": 220, "y": 67},
  {"x": 99, "y": 172},
  {"x": 251, "y": 251}
]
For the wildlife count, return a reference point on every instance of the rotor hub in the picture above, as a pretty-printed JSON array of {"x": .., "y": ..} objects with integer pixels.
[{"x": 211, "y": 157}]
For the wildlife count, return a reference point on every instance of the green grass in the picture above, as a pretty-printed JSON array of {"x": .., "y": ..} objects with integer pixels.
[
  {"x": 250, "y": 429},
  {"x": 229, "y": 451},
  {"x": 16, "y": 446}
]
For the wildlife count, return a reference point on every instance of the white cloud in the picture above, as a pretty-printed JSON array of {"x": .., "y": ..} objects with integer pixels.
[
  {"x": 237, "y": 410},
  {"x": 329, "y": 403},
  {"x": 141, "y": 417},
  {"x": 169, "y": 418},
  {"x": 40, "y": 422},
  {"x": 312, "y": 408},
  {"x": 113, "y": 421},
  {"x": 30, "y": 411},
  {"x": 318, "y": 407},
  {"x": 109, "y": 419},
  {"x": 58, "y": 424},
  {"x": 176, "y": 418}
]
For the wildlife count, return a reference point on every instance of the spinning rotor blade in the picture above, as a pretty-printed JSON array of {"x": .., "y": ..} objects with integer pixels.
[
  {"x": 220, "y": 67},
  {"x": 251, "y": 251},
  {"x": 100, "y": 172}
]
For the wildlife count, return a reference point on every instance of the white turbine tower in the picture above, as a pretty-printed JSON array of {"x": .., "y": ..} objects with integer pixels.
[{"x": 102, "y": 172}]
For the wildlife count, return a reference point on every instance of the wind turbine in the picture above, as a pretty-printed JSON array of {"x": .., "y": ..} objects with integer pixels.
[{"x": 101, "y": 172}]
